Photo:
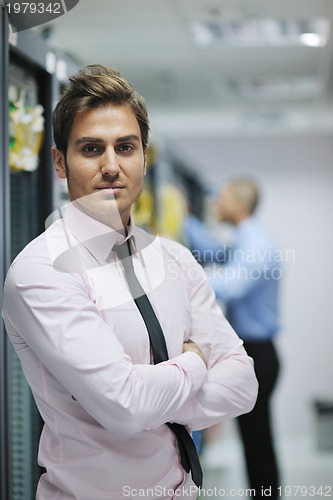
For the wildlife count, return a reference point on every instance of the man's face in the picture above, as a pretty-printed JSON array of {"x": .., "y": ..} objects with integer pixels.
[
  {"x": 227, "y": 205},
  {"x": 105, "y": 162}
]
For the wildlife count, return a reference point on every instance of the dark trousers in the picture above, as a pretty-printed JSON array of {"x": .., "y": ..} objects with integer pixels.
[{"x": 255, "y": 427}]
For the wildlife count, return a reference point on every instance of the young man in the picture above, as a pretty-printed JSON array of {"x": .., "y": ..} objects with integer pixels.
[{"x": 76, "y": 322}]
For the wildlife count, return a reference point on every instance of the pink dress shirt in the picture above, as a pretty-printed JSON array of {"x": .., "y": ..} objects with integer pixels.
[{"x": 85, "y": 352}]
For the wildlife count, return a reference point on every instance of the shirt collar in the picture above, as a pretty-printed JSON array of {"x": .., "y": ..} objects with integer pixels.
[
  {"x": 249, "y": 221},
  {"x": 97, "y": 237}
]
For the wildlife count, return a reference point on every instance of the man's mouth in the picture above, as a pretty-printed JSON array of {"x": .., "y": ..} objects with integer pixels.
[{"x": 115, "y": 188}]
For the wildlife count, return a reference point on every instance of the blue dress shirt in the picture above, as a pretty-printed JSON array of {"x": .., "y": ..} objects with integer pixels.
[
  {"x": 248, "y": 283},
  {"x": 204, "y": 246}
]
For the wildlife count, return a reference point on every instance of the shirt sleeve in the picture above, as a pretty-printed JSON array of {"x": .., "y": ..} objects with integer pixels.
[
  {"x": 235, "y": 280},
  {"x": 204, "y": 246},
  {"x": 52, "y": 314},
  {"x": 251, "y": 263},
  {"x": 231, "y": 388}
]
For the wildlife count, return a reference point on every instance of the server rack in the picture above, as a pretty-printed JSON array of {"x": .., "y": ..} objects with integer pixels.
[
  {"x": 27, "y": 198},
  {"x": 4, "y": 258}
]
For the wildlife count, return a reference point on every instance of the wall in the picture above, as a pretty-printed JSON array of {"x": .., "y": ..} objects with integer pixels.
[{"x": 296, "y": 175}]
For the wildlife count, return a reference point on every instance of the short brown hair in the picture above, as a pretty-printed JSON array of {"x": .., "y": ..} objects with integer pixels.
[{"x": 93, "y": 86}]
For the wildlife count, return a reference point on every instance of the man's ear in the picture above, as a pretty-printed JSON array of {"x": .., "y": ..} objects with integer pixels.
[{"x": 59, "y": 162}]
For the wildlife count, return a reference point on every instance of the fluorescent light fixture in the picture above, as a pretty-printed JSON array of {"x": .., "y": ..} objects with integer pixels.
[
  {"x": 260, "y": 32},
  {"x": 202, "y": 34},
  {"x": 273, "y": 89},
  {"x": 312, "y": 39}
]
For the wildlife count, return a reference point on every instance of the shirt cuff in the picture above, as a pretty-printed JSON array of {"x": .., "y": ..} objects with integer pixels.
[{"x": 194, "y": 367}]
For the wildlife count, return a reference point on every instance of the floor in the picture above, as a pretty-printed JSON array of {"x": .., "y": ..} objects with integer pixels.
[{"x": 306, "y": 470}]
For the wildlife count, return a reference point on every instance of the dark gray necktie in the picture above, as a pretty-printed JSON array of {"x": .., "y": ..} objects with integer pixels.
[{"x": 188, "y": 453}]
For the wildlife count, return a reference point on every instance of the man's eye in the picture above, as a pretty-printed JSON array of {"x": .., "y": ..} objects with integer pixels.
[
  {"x": 125, "y": 148},
  {"x": 90, "y": 149}
]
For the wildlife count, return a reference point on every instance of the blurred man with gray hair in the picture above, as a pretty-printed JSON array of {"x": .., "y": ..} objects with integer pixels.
[{"x": 247, "y": 283}]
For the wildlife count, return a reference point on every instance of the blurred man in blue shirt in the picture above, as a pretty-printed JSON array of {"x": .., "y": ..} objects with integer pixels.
[{"x": 248, "y": 285}]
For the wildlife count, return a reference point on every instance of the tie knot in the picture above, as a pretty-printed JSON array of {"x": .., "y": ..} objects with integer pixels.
[{"x": 122, "y": 250}]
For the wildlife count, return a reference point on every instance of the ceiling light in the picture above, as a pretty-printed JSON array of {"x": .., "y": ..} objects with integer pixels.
[
  {"x": 273, "y": 89},
  {"x": 312, "y": 39},
  {"x": 259, "y": 32},
  {"x": 202, "y": 34}
]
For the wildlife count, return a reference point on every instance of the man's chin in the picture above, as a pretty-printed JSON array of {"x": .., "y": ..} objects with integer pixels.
[{"x": 102, "y": 208}]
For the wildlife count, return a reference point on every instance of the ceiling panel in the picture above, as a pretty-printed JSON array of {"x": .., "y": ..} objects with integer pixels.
[{"x": 150, "y": 42}]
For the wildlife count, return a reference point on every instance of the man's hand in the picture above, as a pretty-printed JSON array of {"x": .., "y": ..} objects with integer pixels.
[{"x": 193, "y": 347}]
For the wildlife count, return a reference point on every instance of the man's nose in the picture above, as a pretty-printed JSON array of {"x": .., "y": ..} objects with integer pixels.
[{"x": 110, "y": 162}]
